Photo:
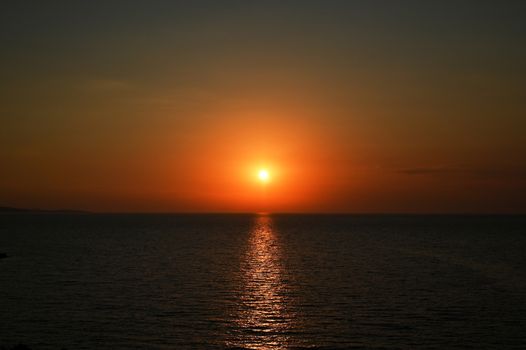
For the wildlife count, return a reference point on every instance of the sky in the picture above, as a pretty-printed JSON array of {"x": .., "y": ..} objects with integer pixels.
[{"x": 352, "y": 106}]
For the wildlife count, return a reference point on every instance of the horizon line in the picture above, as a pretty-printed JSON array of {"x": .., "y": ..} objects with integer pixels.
[{"x": 17, "y": 210}]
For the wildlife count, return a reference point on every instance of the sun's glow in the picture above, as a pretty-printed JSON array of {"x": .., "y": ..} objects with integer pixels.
[{"x": 263, "y": 175}]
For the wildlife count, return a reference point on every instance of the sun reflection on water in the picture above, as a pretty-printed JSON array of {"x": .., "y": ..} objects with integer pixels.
[{"x": 264, "y": 317}]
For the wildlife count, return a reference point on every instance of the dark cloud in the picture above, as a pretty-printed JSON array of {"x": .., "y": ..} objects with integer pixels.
[
  {"x": 474, "y": 172},
  {"x": 427, "y": 170}
]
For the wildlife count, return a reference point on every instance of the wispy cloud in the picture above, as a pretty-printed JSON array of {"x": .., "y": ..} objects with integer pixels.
[
  {"x": 106, "y": 85},
  {"x": 473, "y": 172},
  {"x": 499, "y": 173},
  {"x": 428, "y": 170}
]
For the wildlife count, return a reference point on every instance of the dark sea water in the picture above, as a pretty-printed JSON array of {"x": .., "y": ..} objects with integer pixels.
[{"x": 263, "y": 282}]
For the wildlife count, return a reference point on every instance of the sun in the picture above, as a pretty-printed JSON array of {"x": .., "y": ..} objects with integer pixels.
[{"x": 263, "y": 175}]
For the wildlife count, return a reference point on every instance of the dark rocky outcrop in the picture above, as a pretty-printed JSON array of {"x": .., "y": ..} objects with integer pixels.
[{"x": 16, "y": 347}]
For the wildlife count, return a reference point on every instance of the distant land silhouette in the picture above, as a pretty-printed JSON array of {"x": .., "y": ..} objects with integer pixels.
[{"x": 13, "y": 210}]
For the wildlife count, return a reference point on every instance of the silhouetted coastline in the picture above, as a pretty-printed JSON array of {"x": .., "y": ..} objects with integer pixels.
[
  {"x": 14, "y": 210},
  {"x": 20, "y": 347}
]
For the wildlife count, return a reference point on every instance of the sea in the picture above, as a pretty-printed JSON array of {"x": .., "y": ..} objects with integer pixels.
[{"x": 260, "y": 281}]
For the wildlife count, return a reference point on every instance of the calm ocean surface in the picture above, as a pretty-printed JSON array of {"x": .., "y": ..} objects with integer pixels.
[{"x": 263, "y": 282}]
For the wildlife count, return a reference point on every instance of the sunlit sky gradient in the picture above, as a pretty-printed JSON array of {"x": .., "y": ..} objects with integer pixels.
[{"x": 352, "y": 106}]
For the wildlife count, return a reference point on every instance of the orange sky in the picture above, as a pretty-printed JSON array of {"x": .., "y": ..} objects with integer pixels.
[{"x": 174, "y": 107}]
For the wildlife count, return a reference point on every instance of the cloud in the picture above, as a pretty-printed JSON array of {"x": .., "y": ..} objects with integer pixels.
[
  {"x": 473, "y": 172},
  {"x": 107, "y": 85},
  {"x": 499, "y": 173},
  {"x": 422, "y": 170}
]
